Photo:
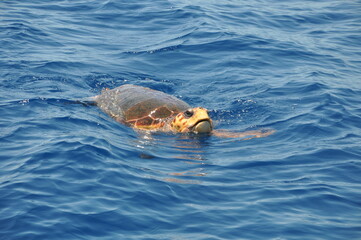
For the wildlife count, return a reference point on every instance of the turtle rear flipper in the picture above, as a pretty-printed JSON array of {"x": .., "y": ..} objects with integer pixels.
[{"x": 88, "y": 101}]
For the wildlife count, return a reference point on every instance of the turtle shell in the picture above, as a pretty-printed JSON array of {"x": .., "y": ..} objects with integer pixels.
[{"x": 140, "y": 107}]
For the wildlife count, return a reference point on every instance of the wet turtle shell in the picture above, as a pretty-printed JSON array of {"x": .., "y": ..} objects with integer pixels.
[{"x": 140, "y": 107}]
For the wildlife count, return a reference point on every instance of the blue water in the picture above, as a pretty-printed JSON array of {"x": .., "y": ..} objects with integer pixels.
[{"x": 69, "y": 171}]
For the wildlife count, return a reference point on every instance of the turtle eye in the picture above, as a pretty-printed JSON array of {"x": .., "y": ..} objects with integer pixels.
[{"x": 188, "y": 114}]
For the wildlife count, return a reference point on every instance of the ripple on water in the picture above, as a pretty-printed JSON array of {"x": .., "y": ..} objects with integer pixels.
[{"x": 69, "y": 171}]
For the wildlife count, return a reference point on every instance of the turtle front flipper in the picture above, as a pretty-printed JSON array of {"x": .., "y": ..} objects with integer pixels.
[{"x": 245, "y": 135}]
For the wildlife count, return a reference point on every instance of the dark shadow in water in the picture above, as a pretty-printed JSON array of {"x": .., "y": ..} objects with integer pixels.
[{"x": 188, "y": 148}]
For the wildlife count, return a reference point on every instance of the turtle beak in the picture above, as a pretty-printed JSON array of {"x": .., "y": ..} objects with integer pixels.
[{"x": 203, "y": 126}]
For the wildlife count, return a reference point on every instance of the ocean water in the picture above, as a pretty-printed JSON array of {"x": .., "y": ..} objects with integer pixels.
[{"x": 69, "y": 171}]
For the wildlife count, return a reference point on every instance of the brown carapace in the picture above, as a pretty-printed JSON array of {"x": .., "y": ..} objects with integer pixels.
[{"x": 144, "y": 108}]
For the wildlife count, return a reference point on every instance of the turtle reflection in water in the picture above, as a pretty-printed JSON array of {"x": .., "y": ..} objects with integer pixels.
[{"x": 146, "y": 109}]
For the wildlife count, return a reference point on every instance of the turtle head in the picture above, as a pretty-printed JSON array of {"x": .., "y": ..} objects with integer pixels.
[{"x": 192, "y": 120}]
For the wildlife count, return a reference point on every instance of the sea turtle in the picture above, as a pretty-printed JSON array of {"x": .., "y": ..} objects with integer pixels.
[{"x": 147, "y": 109}]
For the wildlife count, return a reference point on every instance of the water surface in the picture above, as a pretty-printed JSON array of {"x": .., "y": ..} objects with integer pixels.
[{"x": 68, "y": 171}]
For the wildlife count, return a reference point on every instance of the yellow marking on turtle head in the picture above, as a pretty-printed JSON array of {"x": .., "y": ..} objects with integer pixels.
[{"x": 192, "y": 120}]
